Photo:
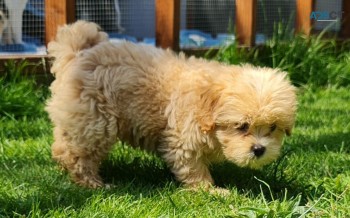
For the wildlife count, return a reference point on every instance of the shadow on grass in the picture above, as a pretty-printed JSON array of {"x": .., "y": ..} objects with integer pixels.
[
  {"x": 54, "y": 191},
  {"x": 254, "y": 182},
  {"x": 151, "y": 176},
  {"x": 335, "y": 142},
  {"x": 152, "y": 173},
  {"x": 322, "y": 130},
  {"x": 226, "y": 175},
  {"x": 48, "y": 189}
]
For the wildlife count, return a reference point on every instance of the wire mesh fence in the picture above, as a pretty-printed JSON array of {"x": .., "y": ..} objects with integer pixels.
[
  {"x": 273, "y": 15},
  {"x": 22, "y": 27},
  {"x": 104, "y": 12},
  {"x": 203, "y": 23},
  {"x": 333, "y": 11},
  {"x": 207, "y": 23},
  {"x": 133, "y": 20}
]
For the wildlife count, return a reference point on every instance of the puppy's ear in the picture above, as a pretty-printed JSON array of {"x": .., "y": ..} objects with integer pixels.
[{"x": 208, "y": 103}]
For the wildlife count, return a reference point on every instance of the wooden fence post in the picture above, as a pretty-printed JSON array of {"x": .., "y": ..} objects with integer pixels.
[
  {"x": 246, "y": 21},
  {"x": 57, "y": 13},
  {"x": 303, "y": 22},
  {"x": 345, "y": 27},
  {"x": 168, "y": 23}
]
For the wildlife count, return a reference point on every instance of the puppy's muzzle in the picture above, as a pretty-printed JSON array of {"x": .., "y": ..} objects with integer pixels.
[{"x": 258, "y": 150}]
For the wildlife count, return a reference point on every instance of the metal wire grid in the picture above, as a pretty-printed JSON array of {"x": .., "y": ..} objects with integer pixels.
[
  {"x": 32, "y": 38},
  {"x": 270, "y": 14},
  {"x": 327, "y": 6},
  {"x": 34, "y": 20},
  {"x": 130, "y": 19},
  {"x": 210, "y": 16},
  {"x": 207, "y": 23},
  {"x": 138, "y": 18},
  {"x": 103, "y": 12}
]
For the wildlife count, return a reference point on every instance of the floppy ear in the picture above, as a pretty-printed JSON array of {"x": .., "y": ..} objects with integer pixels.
[{"x": 208, "y": 102}]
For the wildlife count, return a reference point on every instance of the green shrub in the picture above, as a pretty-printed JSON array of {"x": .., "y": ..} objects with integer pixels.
[
  {"x": 311, "y": 61},
  {"x": 19, "y": 93}
]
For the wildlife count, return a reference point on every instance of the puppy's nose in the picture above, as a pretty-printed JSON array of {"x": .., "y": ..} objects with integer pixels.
[{"x": 258, "y": 150}]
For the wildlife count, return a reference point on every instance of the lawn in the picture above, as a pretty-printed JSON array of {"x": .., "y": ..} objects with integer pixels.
[{"x": 311, "y": 179}]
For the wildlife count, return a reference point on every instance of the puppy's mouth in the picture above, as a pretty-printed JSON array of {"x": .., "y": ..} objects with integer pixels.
[
  {"x": 256, "y": 155},
  {"x": 256, "y": 163},
  {"x": 257, "y": 160}
]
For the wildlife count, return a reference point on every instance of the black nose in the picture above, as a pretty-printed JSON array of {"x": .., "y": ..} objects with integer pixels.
[{"x": 258, "y": 150}]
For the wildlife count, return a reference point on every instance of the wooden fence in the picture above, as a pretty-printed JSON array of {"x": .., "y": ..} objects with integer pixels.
[{"x": 168, "y": 20}]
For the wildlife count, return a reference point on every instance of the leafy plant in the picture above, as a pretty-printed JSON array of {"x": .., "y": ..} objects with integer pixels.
[
  {"x": 19, "y": 93},
  {"x": 311, "y": 61}
]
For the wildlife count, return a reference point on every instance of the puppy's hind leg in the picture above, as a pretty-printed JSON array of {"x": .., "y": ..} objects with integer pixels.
[{"x": 81, "y": 160}]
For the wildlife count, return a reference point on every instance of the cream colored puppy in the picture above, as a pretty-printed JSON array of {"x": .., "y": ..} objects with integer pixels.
[{"x": 193, "y": 112}]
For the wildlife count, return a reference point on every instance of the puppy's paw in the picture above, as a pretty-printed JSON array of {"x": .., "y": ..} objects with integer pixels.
[
  {"x": 209, "y": 188},
  {"x": 109, "y": 186},
  {"x": 219, "y": 191},
  {"x": 90, "y": 182}
]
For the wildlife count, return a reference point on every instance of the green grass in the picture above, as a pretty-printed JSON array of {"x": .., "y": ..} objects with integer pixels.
[
  {"x": 19, "y": 94},
  {"x": 311, "y": 179}
]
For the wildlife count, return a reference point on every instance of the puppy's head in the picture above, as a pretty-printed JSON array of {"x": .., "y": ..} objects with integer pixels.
[{"x": 248, "y": 112}]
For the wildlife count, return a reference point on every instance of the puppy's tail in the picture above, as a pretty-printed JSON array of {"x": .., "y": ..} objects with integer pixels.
[{"x": 71, "y": 39}]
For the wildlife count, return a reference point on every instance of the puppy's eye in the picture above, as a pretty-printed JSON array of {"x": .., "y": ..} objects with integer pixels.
[
  {"x": 273, "y": 127},
  {"x": 244, "y": 127}
]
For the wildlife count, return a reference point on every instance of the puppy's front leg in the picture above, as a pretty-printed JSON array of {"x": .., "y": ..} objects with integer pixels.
[
  {"x": 194, "y": 175},
  {"x": 188, "y": 167}
]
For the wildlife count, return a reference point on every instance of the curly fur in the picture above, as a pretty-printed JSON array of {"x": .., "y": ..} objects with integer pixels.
[{"x": 189, "y": 110}]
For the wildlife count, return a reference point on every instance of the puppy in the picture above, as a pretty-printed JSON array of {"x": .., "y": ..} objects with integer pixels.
[{"x": 193, "y": 112}]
